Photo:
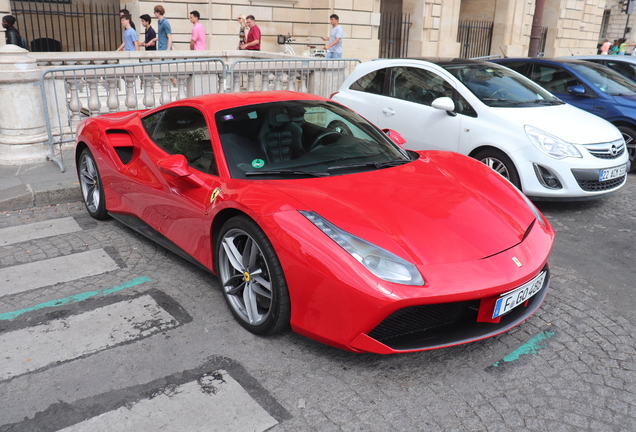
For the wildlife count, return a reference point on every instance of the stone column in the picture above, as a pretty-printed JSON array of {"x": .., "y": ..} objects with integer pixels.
[{"x": 22, "y": 122}]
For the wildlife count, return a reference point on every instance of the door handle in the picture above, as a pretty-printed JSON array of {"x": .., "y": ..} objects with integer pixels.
[{"x": 388, "y": 111}]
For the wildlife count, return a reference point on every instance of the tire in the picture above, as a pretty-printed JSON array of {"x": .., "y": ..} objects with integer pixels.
[
  {"x": 630, "y": 142},
  {"x": 500, "y": 163},
  {"x": 251, "y": 277},
  {"x": 91, "y": 186},
  {"x": 339, "y": 126}
]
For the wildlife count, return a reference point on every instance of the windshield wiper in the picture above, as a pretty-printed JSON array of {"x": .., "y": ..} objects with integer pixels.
[
  {"x": 378, "y": 165},
  {"x": 532, "y": 101},
  {"x": 288, "y": 171}
]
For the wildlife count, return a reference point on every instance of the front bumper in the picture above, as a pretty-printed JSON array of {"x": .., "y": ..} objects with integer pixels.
[
  {"x": 338, "y": 302},
  {"x": 575, "y": 178}
]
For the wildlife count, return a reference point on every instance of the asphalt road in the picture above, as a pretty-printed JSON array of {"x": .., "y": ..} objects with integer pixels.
[{"x": 101, "y": 329}]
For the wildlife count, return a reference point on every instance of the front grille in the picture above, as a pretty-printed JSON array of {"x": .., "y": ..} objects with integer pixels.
[
  {"x": 422, "y": 318},
  {"x": 606, "y": 155},
  {"x": 125, "y": 154},
  {"x": 610, "y": 150},
  {"x": 598, "y": 186}
]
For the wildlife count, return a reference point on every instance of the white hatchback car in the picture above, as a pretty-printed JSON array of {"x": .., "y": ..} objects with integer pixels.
[{"x": 547, "y": 148}]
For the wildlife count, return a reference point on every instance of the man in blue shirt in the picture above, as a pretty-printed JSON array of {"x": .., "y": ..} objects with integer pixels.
[
  {"x": 164, "y": 31},
  {"x": 131, "y": 42},
  {"x": 334, "y": 47}
]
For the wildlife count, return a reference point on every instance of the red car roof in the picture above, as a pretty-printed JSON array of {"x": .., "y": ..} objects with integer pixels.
[{"x": 220, "y": 101}]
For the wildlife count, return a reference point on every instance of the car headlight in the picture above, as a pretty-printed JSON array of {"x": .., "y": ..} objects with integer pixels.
[
  {"x": 381, "y": 263},
  {"x": 551, "y": 145}
]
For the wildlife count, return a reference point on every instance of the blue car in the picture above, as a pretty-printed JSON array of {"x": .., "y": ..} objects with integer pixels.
[{"x": 592, "y": 87}]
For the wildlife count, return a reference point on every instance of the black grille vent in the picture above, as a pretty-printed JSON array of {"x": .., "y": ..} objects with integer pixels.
[
  {"x": 597, "y": 186},
  {"x": 125, "y": 154},
  {"x": 421, "y": 318},
  {"x": 607, "y": 155}
]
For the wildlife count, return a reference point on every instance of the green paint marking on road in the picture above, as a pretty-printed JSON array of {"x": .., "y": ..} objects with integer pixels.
[
  {"x": 530, "y": 347},
  {"x": 76, "y": 298}
]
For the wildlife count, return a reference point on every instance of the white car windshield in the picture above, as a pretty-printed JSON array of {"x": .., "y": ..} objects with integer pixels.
[
  {"x": 303, "y": 139},
  {"x": 497, "y": 86}
]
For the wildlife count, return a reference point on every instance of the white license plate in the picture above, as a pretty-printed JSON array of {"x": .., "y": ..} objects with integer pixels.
[
  {"x": 514, "y": 298},
  {"x": 612, "y": 173}
]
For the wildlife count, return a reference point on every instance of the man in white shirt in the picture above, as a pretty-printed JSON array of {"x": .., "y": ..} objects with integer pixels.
[{"x": 334, "y": 47}]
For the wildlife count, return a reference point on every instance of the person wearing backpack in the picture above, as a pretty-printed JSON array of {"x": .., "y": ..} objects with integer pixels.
[{"x": 12, "y": 35}]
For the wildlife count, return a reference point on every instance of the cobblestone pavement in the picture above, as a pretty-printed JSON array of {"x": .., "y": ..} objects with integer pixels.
[{"x": 570, "y": 367}]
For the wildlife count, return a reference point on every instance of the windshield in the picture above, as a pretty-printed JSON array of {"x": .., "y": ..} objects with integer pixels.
[
  {"x": 497, "y": 86},
  {"x": 296, "y": 139},
  {"x": 606, "y": 80}
]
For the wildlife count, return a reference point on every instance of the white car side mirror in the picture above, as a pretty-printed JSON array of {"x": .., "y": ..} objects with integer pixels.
[{"x": 444, "y": 104}]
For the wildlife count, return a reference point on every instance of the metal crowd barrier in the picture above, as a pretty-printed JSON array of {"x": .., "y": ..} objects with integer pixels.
[
  {"x": 321, "y": 77},
  {"x": 486, "y": 58},
  {"x": 70, "y": 94}
]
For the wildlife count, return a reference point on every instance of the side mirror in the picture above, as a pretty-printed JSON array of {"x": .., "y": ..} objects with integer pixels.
[
  {"x": 576, "y": 90},
  {"x": 395, "y": 137},
  {"x": 177, "y": 166},
  {"x": 445, "y": 104}
]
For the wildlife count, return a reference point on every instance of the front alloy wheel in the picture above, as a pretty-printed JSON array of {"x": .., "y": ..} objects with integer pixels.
[
  {"x": 252, "y": 278},
  {"x": 500, "y": 163},
  {"x": 629, "y": 135}
]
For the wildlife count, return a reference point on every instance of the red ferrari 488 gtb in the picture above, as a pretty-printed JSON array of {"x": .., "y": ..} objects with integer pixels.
[{"x": 313, "y": 217}]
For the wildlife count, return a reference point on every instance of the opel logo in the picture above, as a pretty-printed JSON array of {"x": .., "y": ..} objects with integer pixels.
[{"x": 613, "y": 150}]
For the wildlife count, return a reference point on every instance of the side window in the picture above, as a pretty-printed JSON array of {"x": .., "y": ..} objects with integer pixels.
[
  {"x": 519, "y": 67},
  {"x": 371, "y": 83},
  {"x": 418, "y": 85},
  {"x": 463, "y": 107},
  {"x": 183, "y": 130},
  {"x": 627, "y": 69},
  {"x": 553, "y": 79}
]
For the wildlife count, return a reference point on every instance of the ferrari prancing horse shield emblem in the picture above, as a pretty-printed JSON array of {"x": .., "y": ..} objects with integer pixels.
[
  {"x": 516, "y": 261},
  {"x": 215, "y": 193}
]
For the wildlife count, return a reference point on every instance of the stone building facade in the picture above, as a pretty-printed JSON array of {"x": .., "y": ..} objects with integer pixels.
[{"x": 573, "y": 26}]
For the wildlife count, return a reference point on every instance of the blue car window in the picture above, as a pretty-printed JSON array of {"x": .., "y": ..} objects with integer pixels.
[
  {"x": 605, "y": 79},
  {"x": 553, "y": 78}
]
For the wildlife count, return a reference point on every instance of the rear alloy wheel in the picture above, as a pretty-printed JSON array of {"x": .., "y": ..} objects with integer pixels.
[
  {"x": 500, "y": 163},
  {"x": 251, "y": 277},
  {"x": 629, "y": 135},
  {"x": 91, "y": 185}
]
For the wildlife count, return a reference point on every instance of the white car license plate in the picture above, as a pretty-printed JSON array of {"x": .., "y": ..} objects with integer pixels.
[
  {"x": 612, "y": 173},
  {"x": 514, "y": 298}
]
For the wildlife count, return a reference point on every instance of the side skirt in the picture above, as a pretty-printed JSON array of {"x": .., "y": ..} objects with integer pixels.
[{"x": 147, "y": 231}]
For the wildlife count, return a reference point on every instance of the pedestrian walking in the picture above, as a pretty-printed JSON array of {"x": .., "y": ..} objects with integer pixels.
[
  {"x": 243, "y": 30},
  {"x": 131, "y": 42},
  {"x": 164, "y": 31},
  {"x": 253, "y": 40},
  {"x": 197, "y": 42},
  {"x": 123, "y": 12},
  {"x": 334, "y": 47},
  {"x": 605, "y": 47},
  {"x": 12, "y": 35},
  {"x": 150, "y": 39}
]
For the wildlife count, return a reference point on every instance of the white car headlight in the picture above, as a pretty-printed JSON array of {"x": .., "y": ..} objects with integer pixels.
[
  {"x": 381, "y": 263},
  {"x": 551, "y": 145}
]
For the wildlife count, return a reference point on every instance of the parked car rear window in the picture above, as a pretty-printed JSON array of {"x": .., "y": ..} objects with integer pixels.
[{"x": 371, "y": 83}]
